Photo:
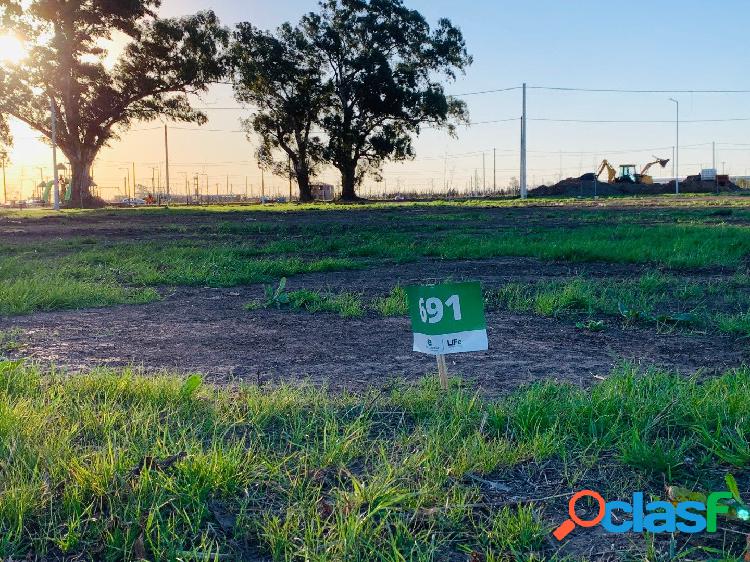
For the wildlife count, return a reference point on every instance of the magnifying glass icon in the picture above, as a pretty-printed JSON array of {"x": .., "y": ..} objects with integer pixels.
[{"x": 568, "y": 525}]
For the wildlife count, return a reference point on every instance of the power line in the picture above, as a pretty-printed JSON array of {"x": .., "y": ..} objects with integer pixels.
[
  {"x": 482, "y": 92},
  {"x": 628, "y": 91},
  {"x": 641, "y": 121}
]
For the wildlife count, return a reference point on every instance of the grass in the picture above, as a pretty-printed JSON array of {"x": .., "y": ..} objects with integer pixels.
[
  {"x": 654, "y": 297},
  {"x": 47, "y": 292},
  {"x": 230, "y": 246},
  {"x": 164, "y": 468},
  {"x": 127, "y": 274},
  {"x": 394, "y": 304},
  {"x": 345, "y": 304},
  {"x": 10, "y": 341},
  {"x": 675, "y": 245}
]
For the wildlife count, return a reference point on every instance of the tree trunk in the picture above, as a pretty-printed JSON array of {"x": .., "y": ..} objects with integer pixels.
[
  {"x": 80, "y": 184},
  {"x": 348, "y": 181},
  {"x": 303, "y": 182}
]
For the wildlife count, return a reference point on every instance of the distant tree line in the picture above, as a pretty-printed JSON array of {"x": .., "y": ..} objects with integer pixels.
[{"x": 348, "y": 86}]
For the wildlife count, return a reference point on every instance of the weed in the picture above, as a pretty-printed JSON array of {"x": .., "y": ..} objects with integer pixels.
[
  {"x": 346, "y": 305},
  {"x": 10, "y": 341},
  {"x": 735, "y": 323},
  {"x": 592, "y": 325},
  {"x": 395, "y": 304},
  {"x": 276, "y": 297}
]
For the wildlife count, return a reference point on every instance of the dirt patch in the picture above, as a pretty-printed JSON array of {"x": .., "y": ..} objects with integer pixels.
[
  {"x": 207, "y": 330},
  {"x": 588, "y": 185}
]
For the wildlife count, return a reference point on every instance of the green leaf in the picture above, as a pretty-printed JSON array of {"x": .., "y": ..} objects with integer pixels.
[
  {"x": 191, "y": 384},
  {"x": 732, "y": 486}
]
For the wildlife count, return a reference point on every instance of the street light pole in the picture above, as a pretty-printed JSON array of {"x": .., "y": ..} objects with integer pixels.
[
  {"x": 677, "y": 150},
  {"x": 54, "y": 156},
  {"x": 3, "y": 156}
]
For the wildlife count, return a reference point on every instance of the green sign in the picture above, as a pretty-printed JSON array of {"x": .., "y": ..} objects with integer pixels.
[{"x": 447, "y": 318}]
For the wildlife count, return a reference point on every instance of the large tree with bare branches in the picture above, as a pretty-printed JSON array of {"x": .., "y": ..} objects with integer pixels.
[{"x": 163, "y": 62}]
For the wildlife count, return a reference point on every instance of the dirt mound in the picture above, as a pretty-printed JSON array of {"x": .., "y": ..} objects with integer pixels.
[{"x": 587, "y": 186}]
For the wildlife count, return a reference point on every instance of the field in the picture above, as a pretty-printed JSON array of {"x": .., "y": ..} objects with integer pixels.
[{"x": 165, "y": 396}]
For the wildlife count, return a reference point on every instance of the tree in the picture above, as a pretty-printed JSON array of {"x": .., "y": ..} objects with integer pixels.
[
  {"x": 383, "y": 60},
  {"x": 164, "y": 61},
  {"x": 281, "y": 75},
  {"x": 5, "y": 137}
]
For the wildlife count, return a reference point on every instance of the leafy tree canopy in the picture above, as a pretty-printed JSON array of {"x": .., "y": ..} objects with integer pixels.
[
  {"x": 384, "y": 63},
  {"x": 164, "y": 61},
  {"x": 281, "y": 76}
]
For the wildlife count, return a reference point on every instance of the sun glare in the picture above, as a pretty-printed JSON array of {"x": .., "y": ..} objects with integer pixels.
[{"x": 11, "y": 49}]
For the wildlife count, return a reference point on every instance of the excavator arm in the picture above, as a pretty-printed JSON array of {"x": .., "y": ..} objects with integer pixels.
[
  {"x": 662, "y": 162},
  {"x": 610, "y": 170}
]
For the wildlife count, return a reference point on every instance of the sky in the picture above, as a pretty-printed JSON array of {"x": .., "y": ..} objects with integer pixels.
[{"x": 638, "y": 45}]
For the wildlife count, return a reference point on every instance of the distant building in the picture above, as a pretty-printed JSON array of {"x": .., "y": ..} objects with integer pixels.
[{"x": 322, "y": 191}]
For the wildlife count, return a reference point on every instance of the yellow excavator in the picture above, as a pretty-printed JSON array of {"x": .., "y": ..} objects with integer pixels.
[
  {"x": 628, "y": 172},
  {"x": 610, "y": 169}
]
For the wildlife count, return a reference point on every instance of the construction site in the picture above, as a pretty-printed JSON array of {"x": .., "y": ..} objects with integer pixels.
[{"x": 628, "y": 181}]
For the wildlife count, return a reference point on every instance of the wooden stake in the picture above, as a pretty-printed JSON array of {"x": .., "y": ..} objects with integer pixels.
[{"x": 442, "y": 371}]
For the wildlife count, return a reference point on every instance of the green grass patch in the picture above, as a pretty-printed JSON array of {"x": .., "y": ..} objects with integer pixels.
[
  {"x": 57, "y": 291},
  {"x": 735, "y": 323},
  {"x": 229, "y": 246},
  {"x": 346, "y": 305},
  {"x": 164, "y": 468},
  {"x": 193, "y": 265},
  {"x": 394, "y": 304},
  {"x": 10, "y": 341},
  {"x": 125, "y": 274},
  {"x": 677, "y": 246},
  {"x": 652, "y": 298},
  {"x": 674, "y": 245}
]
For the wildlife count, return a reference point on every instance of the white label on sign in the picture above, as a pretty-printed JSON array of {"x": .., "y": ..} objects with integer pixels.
[{"x": 460, "y": 342}]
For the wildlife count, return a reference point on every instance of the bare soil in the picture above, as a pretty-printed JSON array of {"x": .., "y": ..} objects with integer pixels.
[{"x": 208, "y": 331}]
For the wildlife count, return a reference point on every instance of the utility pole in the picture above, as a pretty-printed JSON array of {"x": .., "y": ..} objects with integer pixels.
[
  {"x": 262, "y": 185},
  {"x": 56, "y": 174},
  {"x": 166, "y": 152},
  {"x": 494, "y": 169},
  {"x": 134, "y": 184},
  {"x": 713, "y": 165},
  {"x": 3, "y": 156},
  {"x": 484, "y": 173},
  {"x": 445, "y": 172},
  {"x": 524, "y": 193},
  {"x": 713, "y": 152},
  {"x": 677, "y": 150},
  {"x": 245, "y": 188}
]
